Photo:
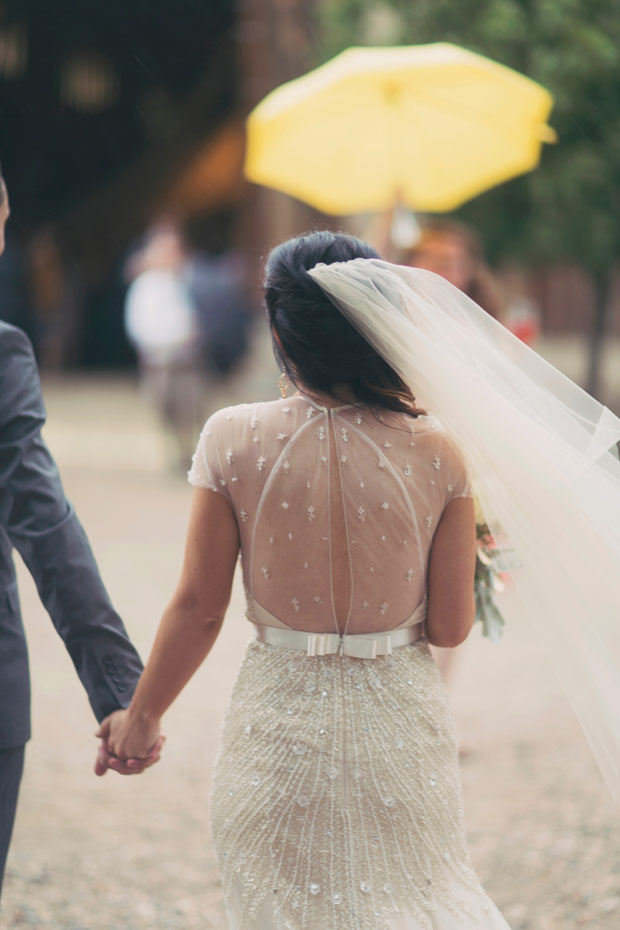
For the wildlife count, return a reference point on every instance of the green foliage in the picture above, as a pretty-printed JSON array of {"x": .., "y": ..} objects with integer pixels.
[{"x": 569, "y": 208}]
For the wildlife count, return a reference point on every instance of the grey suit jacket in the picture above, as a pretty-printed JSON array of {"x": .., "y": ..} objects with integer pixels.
[{"x": 38, "y": 521}]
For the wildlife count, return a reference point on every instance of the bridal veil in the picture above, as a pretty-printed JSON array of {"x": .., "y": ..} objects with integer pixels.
[{"x": 542, "y": 457}]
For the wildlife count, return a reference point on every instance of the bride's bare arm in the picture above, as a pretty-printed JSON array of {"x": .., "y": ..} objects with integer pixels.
[
  {"x": 188, "y": 628},
  {"x": 452, "y": 561}
]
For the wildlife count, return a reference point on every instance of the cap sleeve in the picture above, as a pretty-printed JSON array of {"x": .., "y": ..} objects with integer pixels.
[
  {"x": 457, "y": 477},
  {"x": 207, "y": 471}
]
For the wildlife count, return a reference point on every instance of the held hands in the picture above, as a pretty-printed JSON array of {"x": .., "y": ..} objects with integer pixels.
[{"x": 128, "y": 746}]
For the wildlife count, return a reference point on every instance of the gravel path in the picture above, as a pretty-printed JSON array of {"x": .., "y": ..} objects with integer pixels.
[{"x": 135, "y": 854}]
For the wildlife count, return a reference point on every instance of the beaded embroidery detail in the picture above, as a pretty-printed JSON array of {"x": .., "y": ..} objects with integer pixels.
[{"x": 358, "y": 757}]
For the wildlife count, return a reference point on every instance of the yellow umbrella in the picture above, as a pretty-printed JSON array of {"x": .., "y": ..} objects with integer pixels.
[{"x": 429, "y": 126}]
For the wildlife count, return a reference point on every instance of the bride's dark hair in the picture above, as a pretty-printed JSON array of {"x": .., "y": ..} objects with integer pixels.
[{"x": 313, "y": 342}]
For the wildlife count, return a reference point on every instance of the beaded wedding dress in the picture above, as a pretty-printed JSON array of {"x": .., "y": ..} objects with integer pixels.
[{"x": 336, "y": 801}]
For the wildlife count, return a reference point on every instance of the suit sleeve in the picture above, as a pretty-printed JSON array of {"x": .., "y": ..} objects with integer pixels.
[{"x": 45, "y": 530}]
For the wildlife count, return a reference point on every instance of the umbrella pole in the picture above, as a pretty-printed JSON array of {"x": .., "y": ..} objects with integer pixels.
[
  {"x": 405, "y": 229},
  {"x": 384, "y": 245}
]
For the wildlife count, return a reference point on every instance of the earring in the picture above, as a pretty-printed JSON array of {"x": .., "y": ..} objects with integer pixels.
[{"x": 283, "y": 384}]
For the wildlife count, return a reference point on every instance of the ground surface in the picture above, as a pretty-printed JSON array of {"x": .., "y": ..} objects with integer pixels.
[{"x": 134, "y": 853}]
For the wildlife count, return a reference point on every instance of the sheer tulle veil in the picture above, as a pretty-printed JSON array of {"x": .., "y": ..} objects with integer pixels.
[{"x": 540, "y": 451}]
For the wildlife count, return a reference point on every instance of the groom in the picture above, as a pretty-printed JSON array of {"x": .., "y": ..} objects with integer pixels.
[{"x": 38, "y": 521}]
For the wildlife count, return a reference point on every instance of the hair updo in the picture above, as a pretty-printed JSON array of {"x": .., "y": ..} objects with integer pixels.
[{"x": 316, "y": 345}]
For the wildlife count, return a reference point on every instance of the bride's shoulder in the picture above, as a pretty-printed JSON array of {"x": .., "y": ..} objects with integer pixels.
[
  {"x": 232, "y": 414},
  {"x": 239, "y": 417},
  {"x": 426, "y": 425},
  {"x": 429, "y": 431},
  {"x": 429, "y": 423}
]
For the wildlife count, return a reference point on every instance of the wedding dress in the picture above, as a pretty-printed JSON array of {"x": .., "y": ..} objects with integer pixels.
[{"x": 336, "y": 801}]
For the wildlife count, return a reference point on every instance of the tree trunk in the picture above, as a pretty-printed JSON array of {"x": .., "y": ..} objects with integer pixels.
[{"x": 602, "y": 288}]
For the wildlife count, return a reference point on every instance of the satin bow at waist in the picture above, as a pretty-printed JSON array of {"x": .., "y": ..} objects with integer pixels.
[{"x": 354, "y": 645}]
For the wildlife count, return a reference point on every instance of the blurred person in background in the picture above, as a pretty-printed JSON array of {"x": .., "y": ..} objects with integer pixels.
[
  {"x": 162, "y": 324},
  {"x": 216, "y": 285},
  {"x": 38, "y": 521},
  {"x": 454, "y": 251},
  {"x": 523, "y": 319},
  {"x": 55, "y": 301}
]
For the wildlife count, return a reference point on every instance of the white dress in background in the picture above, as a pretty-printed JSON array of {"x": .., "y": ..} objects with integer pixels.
[{"x": 336, "y": 800}]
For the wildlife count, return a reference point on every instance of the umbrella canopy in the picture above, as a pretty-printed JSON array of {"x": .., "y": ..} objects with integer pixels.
[{"x": 429, "y": 126}]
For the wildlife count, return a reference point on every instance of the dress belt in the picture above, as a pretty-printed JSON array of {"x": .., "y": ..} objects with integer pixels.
[{"x": 355, "y": 645}]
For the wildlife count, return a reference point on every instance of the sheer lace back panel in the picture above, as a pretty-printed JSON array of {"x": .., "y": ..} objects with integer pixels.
[{"x": 336, "y": 508}]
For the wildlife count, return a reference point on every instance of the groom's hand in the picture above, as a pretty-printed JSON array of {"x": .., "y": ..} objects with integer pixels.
[{"x": 106, "y": 759}]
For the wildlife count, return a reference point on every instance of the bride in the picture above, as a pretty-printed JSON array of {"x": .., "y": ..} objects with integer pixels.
[{"x": 336, "y": 801}]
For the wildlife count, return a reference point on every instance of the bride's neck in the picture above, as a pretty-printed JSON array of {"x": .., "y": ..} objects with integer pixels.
[{"x": 338, "y": 393}]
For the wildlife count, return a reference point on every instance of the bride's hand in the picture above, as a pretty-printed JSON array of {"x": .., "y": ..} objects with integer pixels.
[
  {"x": 127, "y": 738},
  {"x": 105, "y": 760}
]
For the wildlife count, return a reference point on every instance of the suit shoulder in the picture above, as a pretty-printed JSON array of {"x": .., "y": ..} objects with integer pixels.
[
  {"x": 20, "y": 388},
  {"x": 14, "y": 339}
]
